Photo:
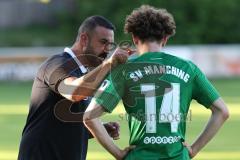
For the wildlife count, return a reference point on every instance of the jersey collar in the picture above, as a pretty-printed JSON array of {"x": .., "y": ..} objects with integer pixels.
[{"x": 70, "y": 52}]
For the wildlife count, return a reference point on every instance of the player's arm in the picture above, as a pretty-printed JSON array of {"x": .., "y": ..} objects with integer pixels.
[
  {"x": 219, "y": 115},
  {"x": 93, "y": 123},
  {"x": 76, "y": 89}
]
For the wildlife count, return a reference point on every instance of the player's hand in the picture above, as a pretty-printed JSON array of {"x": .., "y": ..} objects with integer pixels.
[
  {"x": 124, "y": 152},
  {"x": 190, "y": 149},
  {"x": 119, "y": 56},
  {"x": 113, "y": 129}
]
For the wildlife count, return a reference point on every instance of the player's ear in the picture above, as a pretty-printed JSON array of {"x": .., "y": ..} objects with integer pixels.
[
  {"x": 164, "y": 41},
  {"x": 135, "y": 39}
]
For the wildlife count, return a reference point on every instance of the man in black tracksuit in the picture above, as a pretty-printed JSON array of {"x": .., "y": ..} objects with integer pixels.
[{"x": 61, "y": 92}]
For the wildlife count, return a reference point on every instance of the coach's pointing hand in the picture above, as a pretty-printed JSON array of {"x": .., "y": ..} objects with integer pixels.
[{"x": 119, "y": 56}]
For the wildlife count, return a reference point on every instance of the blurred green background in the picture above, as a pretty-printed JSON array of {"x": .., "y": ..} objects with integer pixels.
[{"x": 198, "y": 22}]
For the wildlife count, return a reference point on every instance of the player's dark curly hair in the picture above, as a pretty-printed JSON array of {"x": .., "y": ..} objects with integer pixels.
[{"x": 150, "y": 24}]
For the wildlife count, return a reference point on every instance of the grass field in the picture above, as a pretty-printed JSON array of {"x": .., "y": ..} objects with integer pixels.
[{"x": 14, "y": 98}]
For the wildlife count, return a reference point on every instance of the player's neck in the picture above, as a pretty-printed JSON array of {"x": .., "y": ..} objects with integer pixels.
[{"x": 149, "y": 47}]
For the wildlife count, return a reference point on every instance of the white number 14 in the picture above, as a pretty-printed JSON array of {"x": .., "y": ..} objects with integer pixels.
[{"x": 170, "y": 107}]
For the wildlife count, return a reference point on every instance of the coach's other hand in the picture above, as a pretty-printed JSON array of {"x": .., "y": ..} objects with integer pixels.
[{"x": 113, "y": 129}]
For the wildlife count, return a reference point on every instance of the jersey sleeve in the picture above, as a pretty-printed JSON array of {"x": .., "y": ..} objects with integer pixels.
[
  {"x": 203, "y": 91},
  {"x": 57, "y": 70},
  {"x": 111, "y": 90}
]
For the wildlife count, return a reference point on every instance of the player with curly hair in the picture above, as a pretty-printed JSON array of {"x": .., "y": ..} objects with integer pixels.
[{"x": 156, "y": 90}]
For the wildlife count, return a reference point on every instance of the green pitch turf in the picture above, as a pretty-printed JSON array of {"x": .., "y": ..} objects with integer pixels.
[{"x": 14, "y": 98}]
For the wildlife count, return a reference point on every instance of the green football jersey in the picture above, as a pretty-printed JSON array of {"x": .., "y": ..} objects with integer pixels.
[{"x": 156, "y": 90}]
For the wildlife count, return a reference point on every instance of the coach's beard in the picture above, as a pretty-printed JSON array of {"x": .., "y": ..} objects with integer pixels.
[{"x": 91, "y": 60}]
